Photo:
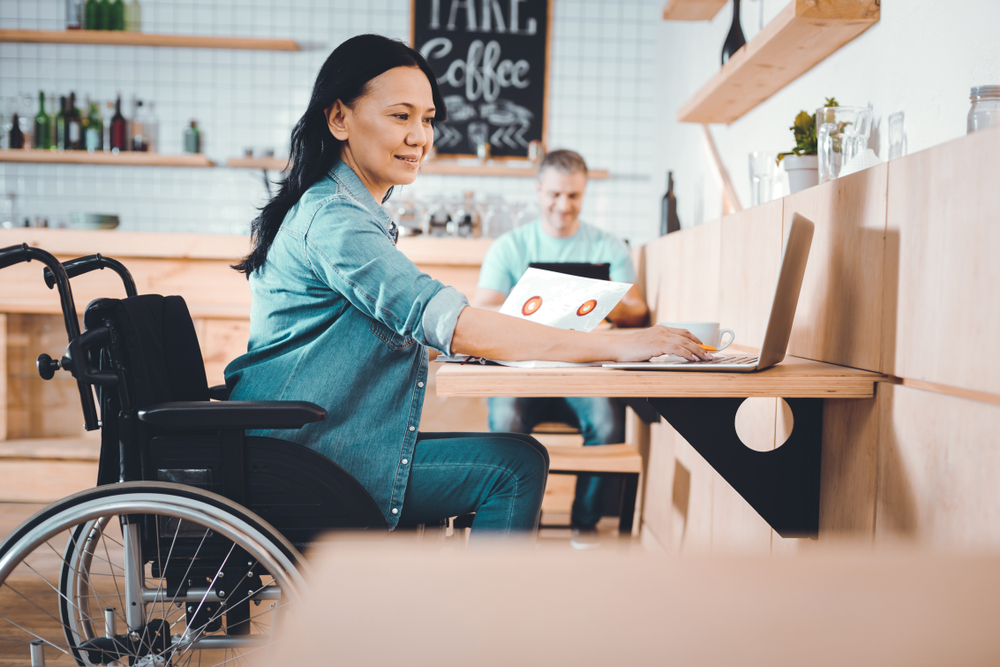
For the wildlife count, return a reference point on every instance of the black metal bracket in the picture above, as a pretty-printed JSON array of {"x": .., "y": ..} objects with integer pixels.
[{"x": 782, "y": 485}]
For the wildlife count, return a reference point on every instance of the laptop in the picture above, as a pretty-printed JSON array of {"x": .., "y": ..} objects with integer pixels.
[
  {"x": 779, "y": 324},
  {"x": 580, "y": 269}
]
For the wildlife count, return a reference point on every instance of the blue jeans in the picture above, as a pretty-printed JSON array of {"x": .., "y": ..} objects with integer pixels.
[
  {"x": 601, "y": 422},
  {"x": 500, "y": 477}
]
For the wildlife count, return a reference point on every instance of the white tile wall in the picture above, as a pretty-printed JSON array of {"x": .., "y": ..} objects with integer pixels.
[{"x": 601, "y": 104}]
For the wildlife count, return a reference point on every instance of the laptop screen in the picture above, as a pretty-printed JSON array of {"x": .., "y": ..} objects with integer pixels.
[{"x": 581, "y": 269}]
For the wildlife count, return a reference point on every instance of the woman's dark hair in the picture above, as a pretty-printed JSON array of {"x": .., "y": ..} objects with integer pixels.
[{"x": 314, "y": 151}]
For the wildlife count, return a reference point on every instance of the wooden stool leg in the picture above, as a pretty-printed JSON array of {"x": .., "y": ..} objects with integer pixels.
[{"x": 630, "y": 489}]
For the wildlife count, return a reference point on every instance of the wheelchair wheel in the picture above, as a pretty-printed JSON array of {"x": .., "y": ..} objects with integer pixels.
[{"x": 144, "y": 573}]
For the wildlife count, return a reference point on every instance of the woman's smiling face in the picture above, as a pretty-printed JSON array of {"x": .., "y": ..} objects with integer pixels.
[{"x": 387, "y": 131}]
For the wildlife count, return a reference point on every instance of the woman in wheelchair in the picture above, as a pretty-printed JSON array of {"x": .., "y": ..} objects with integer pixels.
[
  {"x": 342, "y": 319},
  {"x": 188, "y": 549}
]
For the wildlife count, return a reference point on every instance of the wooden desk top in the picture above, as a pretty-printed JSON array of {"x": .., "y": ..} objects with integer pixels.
[{"x": 792, "y": 378}]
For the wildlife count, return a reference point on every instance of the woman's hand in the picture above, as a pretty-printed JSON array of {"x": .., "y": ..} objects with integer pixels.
[{"x": 656, "y": 341}]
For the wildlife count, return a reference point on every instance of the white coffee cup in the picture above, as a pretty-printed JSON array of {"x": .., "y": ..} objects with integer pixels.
[{"x": 708, "y": 333}]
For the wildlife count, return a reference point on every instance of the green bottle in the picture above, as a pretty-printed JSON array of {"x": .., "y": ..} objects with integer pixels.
[
  {"x": 192, "y": 139},
  {"x": 104, "y": 15},
  {"x": 117, "y": 21},
  {"x": 91, "y": 11},
  {"x": 60, "y": 138},
  {"x": 42, "y": 126},
  {"x": 93, "y": 129}
]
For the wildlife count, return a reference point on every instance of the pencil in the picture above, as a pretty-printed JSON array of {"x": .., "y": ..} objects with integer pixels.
[{"x": 708, "y": 347}]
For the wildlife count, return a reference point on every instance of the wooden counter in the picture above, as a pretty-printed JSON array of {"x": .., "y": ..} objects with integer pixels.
[
  {"x": 792, "y": 378},
  {"x": 195, "y": 266}
]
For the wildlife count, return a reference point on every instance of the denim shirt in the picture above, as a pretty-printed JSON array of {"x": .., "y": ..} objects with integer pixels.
[{"x": 341, "y": 318}]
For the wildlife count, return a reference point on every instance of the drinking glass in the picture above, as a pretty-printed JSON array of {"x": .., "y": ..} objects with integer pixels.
[
  {"x": 841, "y": 134},
  {"x": 763, "y": 176}
]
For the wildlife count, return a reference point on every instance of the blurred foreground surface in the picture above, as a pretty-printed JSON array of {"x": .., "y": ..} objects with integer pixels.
[{"x": 393, "y": 602}]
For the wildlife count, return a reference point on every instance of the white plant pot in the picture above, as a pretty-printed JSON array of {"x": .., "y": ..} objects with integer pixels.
[{"x": 802, "y": 170}]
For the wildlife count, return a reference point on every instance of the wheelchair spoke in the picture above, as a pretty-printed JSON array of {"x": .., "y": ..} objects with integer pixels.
[
  {"x": 29, "y": 632},
  {"x": 60, "y": 584}
]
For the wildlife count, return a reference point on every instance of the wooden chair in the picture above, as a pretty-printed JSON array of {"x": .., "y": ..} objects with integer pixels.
[{"x": 568, "y": 456}]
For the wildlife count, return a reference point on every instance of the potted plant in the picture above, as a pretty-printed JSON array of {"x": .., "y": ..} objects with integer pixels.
[{"x": 801, "y": 163}]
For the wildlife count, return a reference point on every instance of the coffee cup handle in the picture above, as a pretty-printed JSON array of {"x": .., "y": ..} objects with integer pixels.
[{"x": 732, "y": 336}]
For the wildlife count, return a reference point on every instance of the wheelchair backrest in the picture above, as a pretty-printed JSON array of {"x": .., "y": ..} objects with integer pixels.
[{"x": 160, "y": 354}]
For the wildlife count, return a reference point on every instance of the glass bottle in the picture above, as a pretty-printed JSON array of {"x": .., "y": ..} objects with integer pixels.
[
  {"x": 60, "y": 138},
  {"x": 117, "y": 21},
  {"x": 735, "y": 39},
  {"x": 985, "y": 111},
  {"x": 139, "y": 141},
  {"x": 16, "y": 135},
  {"x": 91, "y": 15},
  {"x": 118, "y": 128},
  {"x": 94, "y": 134},
  {"x": 152, "y": 129},
  {"x": 43, "y": 139},
  {"x": 52, "y": 109},
  {"x": 74, "y": 14},
  {"x": 107, "y": 114},
  {"x": 192, "y": 138},
  {"x": 74, "y": 127},
  {"x": 104, "y": 15},
  {"x": 668, "y": 209},
  {"x": 133, "y": 16}
]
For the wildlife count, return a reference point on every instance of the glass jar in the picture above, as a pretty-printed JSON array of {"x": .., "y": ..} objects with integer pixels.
[{"x": 985, "y": 111}]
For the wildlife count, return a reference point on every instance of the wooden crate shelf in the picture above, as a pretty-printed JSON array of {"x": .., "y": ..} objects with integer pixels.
[
  {"x": 127, "y": 158},
  {"x": 124, "y": 38},
  {"x": 692, "y": 10},
  {"x": 437, "y": 167},
  {"x": 802, "y": 35}
]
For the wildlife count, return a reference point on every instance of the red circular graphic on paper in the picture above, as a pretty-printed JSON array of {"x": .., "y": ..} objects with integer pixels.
[
  {"x": 586, "y": 307},
  {"x": 531, "y": 306}
]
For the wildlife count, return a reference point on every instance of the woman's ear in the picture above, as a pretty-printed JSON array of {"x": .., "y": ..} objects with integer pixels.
[{"x": 336, "y": 119}]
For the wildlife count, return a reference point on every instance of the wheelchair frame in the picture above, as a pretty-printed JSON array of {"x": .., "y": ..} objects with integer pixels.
[{"x": 157, "y": 542}]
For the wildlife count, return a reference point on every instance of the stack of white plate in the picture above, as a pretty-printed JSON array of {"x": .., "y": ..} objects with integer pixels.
[{"x": 92, "y": 221}]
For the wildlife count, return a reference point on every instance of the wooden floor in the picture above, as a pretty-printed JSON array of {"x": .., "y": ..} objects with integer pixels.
[{"x": 18, "y": 610}]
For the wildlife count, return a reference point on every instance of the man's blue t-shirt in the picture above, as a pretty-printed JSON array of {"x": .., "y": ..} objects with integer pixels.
[{"x": 509, "y": 256}]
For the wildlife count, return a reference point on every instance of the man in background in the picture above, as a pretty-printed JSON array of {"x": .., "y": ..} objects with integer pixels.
[{"x": 559, "y": 236}]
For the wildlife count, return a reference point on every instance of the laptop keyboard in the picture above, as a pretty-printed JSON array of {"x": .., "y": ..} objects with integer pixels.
[
  {"x": 716, "y": 360},
  {"x": 729, "y": 360}
]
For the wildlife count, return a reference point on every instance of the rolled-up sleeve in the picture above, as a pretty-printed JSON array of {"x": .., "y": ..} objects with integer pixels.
[
  {"x": 441, "y": 316},
  {"x": 348, "y": 250}
]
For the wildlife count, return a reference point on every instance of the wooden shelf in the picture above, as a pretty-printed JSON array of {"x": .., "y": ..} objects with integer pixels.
[
  {"x": 692, "y": 10},
  {"x": 265, "y": 163},
  {"x": 121, "y": 159},
  {"x": 803, "y": 34},
  {"x": 123, "y": 38},
  {"x": 437, "y": 167}
]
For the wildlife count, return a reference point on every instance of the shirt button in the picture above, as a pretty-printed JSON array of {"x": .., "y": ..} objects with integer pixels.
[
  {"x": 405, "y": 461},
  {"x": 420, "y": 384},
  {"x": 413, "y": 428},
  {"x": 395, "y": 511}
]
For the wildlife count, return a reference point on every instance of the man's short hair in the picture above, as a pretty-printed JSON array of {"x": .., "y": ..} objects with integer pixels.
[{"x": 568, "y": 162}]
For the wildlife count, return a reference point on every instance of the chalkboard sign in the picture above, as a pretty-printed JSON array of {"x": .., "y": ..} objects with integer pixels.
[{"x": 491, "y": 61}]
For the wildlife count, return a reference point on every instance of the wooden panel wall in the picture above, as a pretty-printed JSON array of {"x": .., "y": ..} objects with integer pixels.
[
  {"x": 749, "y": 261},
  {"x": 839, "y": 316},
  {"x": 903, "y": 277},
  {"x": 943, "y": 264},
  {"x": 938, "y": 469}
]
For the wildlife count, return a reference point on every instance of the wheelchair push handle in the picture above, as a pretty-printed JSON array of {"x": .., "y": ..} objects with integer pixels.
[
  {"x": 25, "y": 253},
  {"x": 80, "y": 265}
]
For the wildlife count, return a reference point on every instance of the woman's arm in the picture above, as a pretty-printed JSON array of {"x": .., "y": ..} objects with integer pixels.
[{"x": 484, "y": 333}]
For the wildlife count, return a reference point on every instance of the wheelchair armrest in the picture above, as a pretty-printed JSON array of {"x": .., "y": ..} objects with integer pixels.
[
  {"x": 219, "y": 392},
  {"x": 186, "y": 415}
]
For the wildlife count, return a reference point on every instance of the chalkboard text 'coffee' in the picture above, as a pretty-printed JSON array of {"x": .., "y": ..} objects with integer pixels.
[{"x": 490, "y": 58}]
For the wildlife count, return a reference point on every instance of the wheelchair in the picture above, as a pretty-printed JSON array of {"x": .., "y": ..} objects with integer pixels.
[{"x": 190, "y": 545}]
